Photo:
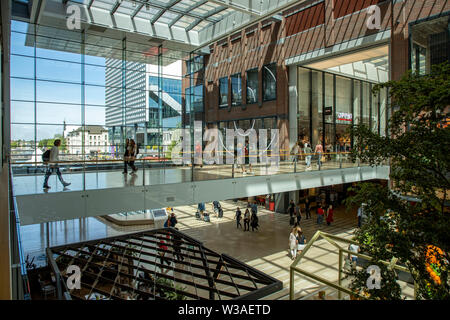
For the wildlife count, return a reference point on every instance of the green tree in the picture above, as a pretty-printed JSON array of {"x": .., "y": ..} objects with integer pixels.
[
  {"x": 48, "y": 143},
  {"x": 417, "y": 148}
]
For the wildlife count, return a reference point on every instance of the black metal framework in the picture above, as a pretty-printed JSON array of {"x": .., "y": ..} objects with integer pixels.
[{"x": 160, "y": 264}]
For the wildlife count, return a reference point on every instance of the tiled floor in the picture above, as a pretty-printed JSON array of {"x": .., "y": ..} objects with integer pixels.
[
  {"x": 265, "y": 249},
  {"x": 32, "y": 183}
]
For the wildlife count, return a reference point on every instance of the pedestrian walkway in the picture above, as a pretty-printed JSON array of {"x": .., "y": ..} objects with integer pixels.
[{"x": 265, "y": 249}]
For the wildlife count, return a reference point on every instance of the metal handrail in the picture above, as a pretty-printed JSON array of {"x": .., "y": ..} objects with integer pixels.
[
  {"x": 329, "y": 238},
  {"x": 15, "y": 229},
  {"x": 149, "y": 160}
]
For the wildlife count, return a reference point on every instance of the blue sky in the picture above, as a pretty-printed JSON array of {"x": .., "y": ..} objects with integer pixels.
[{"x": 59, "y": 88}]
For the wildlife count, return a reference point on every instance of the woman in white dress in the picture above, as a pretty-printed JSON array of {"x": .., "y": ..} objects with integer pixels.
[{"x": 293, "y": 243}]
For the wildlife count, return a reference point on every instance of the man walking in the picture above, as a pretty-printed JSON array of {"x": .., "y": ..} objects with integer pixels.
[
  {"x": 320, "y": 214},
  {"x": 238, "y": 218},
  {"x": 54, "y": 157}
]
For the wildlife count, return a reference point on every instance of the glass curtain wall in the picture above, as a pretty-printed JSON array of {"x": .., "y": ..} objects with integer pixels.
[
  {"x": 92, "y": 93},
  {"x": 329, "y": 104}
]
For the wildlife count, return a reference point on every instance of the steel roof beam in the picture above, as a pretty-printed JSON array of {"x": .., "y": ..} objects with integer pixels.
[
  {"x": 90, "y": 4},
  {"x": 116, "y": 6},
  {"x": 236, "y": 7},
  {"x": 171, "y": 9},
  {"x": 209, "y": 14}
]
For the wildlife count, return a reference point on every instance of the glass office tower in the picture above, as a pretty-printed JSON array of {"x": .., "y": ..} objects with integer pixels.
[{"x": 63, "y": 81}]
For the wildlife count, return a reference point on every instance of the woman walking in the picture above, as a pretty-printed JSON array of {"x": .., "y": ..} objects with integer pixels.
[
  {"x": 319, "y": 151},
  {"x": 330, "y": 215},
  {"x": 247, "y": 220},
  {"x": 293, "y": 243},
  {"x": 301, "y": 240},
  {"x": 132, "y": 151}
]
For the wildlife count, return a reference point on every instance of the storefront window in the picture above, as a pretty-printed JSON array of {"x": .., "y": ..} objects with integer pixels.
[
  {"x": 383, "y": 111},
  {"x": 304, "y": 117},
  {"x": 223, "y": 92},
  {"x": 366, "y": 100},
  {"x": 316, "y": 107},
  {"x": 252, "y": 86},
  {"x": 375, "y": 109},
  {"x": 356, "y": 102},
  {"x": 344, "y": 114},
  {"x": 236, "y": 89},
  {"x": 430, "y": 43},
  {"x": 270, "y": 82}
]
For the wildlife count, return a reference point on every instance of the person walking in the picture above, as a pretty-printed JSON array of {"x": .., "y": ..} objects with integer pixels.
[
  {"x": 254, "y": 207},
  {"x": 132, "y": 151},
  {"x": 360, "y": 213},
  {"x": 247, "y": 157},
  {"x": 162, "y": 249},
  {"x": 301, "y": 240},
  {"x": 216, "y": 207},
  {"x": 125, "y": 156},
  {"x": 201, "y": 209},
  {"x": 320, "y": 214},
  {"x": 293, "y": 243},
  {"x": 247, "y": 220},
  {"x": 308, "y": 156},
  {"x": 319, "y": 151},
  {"x": 307, "y": 208},
  {"x": 291, "y": 211},
  {"x": 299, "y": 214},
  {"x": 52, "y": 165},
  {"x": 238, "y": 217},
  {"x": 295, "y": 151},
  {"x": 329, "y": 218},
  {"x": 254, "y": 222},
  {"x": 173, "y": 220},
  {"x": 177, "y": 242}
]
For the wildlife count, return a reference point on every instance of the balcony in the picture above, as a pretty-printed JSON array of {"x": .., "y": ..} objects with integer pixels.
[{"x": 99, "y": 187}]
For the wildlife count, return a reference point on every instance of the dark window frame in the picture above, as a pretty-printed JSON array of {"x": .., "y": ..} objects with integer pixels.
[
  {"x": 228, "y": 91},
  {"x": 263, "y": 82},
  {"x": 231, "y": 82},
  {"x": 246, "y": 86}
]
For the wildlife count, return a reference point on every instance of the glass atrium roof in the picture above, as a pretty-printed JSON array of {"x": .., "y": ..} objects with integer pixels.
[
  {"x": 186, "y": 14},
  {"x": 188, "y": 25}
]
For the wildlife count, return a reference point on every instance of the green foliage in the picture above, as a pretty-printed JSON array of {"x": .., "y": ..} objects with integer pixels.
[
  {"x": 170, "y": 148},
  {"x": 172, "y": 294},
  {"x": 418, "y": 150},
  {"x": 48, "y": 143}
]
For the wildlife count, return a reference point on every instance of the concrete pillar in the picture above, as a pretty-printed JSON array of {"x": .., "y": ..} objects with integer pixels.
[
  {"x": 316, "y": 100},
  {"x": 293, "y": 106},
  {"x": 5, "y": 131},
  {"x": 281, "y": 202}
]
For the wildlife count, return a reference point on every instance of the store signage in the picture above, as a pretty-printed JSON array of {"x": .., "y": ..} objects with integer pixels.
[
  {"x": 328, "y": 111},
  {"x": 342, "y": 116}
]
